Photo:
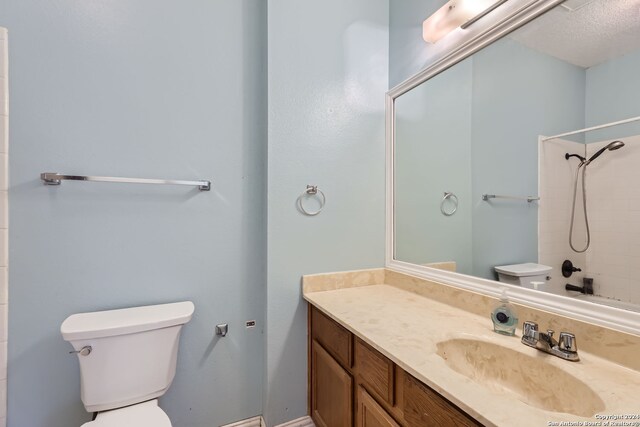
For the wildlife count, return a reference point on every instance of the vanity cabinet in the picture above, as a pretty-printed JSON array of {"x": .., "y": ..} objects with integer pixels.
[{"x": 352, "y": 384}]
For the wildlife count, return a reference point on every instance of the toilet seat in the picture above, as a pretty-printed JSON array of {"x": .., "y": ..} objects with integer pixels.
[{"x": 146, "y": 414}]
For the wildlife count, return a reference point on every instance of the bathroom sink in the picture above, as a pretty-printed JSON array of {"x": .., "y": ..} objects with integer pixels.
[{"x": 532, "y": 380}]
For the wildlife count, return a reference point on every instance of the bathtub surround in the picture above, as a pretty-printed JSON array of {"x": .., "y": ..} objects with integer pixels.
[
  {"x": 613, "y": 199},
  {"x": 613, "y": 206},
  {"x": 4, "y": 219},
  {"x": 556, "y": 178},
  {"x": 328, "y": 64},
  {"x": 613, "y": 203}
]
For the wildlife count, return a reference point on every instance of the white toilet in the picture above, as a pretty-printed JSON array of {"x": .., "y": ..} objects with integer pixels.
[
  {"x": 127, "y": 359},
  {"x": 528, "y": 275}
]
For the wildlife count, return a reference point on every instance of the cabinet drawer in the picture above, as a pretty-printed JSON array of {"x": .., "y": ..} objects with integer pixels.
[
  {"x": 375, "y": 371},
  {"x": 333, "y": 337},
  {"x": 424, "y": 407}
]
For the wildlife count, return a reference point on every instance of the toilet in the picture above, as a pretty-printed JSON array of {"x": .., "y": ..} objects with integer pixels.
[
  {"x": 528, "y": 275},
  {"x": 127, "y": 360}
]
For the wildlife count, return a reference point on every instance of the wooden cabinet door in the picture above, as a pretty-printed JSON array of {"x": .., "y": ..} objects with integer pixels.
[
  {"x": 331, "y": 390},
  {"x": 370, "y": 414}
]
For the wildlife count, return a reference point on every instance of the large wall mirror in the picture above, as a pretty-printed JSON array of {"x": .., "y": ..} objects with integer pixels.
[{"x": 492, "y": 158}]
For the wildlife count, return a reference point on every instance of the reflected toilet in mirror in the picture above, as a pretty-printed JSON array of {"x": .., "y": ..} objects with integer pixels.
[{"x": 528, "y": 275}]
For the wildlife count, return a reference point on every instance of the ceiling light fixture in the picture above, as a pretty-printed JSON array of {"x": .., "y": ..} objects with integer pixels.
[{"x": 454, "y": 14}]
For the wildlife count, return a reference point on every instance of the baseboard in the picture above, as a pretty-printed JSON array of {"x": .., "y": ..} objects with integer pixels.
[
  {"x": 300, "y": 422},
  {"x": 259, "y": 422},
  {"x": 249, "y": 422}
]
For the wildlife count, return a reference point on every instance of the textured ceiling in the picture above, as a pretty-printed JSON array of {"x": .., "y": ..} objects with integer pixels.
[{"x": 585, "y": 32}]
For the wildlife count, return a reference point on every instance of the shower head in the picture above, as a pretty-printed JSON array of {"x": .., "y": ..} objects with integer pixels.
[{"x": 611, "y": 146}]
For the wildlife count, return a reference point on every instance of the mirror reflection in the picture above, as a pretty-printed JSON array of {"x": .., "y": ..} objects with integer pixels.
[{"x": 519, "y": 164}]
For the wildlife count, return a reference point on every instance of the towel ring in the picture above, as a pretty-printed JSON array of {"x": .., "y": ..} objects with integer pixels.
[
  {"x": 453, "y": 198},
  {"x": 313, "y": 191}
]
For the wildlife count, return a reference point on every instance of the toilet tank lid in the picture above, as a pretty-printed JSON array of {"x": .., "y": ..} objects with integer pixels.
[
  {"x": 125, "y": 320},
  {"x": 524, "y": 270}
]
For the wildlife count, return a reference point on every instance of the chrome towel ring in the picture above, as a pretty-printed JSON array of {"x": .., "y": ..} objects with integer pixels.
[
  {"x": 453, "y": 199},
  {"x": 312, "y": 190}
]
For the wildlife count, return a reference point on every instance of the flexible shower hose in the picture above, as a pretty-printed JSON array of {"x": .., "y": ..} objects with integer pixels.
[{"x": 584, "y": 207}]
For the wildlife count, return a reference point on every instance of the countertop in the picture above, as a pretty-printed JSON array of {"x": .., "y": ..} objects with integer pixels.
[{"x": 406, "y": 327}]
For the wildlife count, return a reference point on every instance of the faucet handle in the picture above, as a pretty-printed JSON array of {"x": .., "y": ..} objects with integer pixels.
[
  {"x": 530, "y": 329},
  {"x": 567, "y": 342}
]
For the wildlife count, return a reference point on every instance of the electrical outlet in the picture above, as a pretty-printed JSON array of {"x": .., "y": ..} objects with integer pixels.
[{"x": 250, "y": 324}]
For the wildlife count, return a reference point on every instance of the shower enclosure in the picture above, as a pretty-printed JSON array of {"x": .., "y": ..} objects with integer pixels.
[{"x": 590, "y": 212}]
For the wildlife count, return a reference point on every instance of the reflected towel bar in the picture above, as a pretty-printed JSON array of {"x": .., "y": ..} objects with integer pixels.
[
  {"x": 50, "y": 178},
  {"x": 529, "y": 199}
]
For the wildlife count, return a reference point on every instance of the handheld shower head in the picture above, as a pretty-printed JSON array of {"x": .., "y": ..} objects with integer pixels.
[{"x": 611, "y": 146}]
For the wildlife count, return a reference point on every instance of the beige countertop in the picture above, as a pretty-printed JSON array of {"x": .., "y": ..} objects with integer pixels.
[{"x": 406, "y": 327}]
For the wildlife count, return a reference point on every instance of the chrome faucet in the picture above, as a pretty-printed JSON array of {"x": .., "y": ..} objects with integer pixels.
[{"x": 565, "y": 348}]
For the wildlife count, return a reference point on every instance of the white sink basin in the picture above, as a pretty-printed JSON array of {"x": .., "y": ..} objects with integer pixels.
[{"x": 532, "y": 380}]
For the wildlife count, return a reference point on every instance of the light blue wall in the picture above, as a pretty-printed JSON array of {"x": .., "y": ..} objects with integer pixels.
[
  {"x": 408, "y": 52},
  {"x": 149, "y": 88},
  {"x": 518, "y": 94},
  {"x": 433, "y": 151},
  {"x": 613, "y": 91},
  {"x": 328, "y": 63},
  {"x": 515, "y": 94}
]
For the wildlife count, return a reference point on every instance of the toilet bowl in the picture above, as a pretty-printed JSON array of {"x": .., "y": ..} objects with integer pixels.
[
  {"x": 528, "y": 275},
  {"x": 127, "y": 360},
  {"x": 147, "y": 414}
]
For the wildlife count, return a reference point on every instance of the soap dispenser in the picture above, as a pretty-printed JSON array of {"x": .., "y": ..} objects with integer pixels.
[{"x": 504, "y": 316}]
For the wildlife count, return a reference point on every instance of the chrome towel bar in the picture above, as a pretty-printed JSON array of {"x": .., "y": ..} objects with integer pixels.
[
  {"x": 529, "y": 199},
  {"x": 51, "y": 178}
]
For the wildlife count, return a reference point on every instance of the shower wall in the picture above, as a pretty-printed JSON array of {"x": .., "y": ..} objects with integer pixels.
[
  {"x": 613, "y": 197},
  {"x": 613, "y": 203},
  {"x": 555, "y": 183}
]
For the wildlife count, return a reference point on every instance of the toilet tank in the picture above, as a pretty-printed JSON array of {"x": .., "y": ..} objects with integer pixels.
[
  {"x": 528, "y": 275},
  {"x": 133, "y": 352}
]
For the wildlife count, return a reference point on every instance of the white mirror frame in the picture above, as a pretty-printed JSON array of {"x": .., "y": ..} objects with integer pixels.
[{"x": 614, "y": 318}]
